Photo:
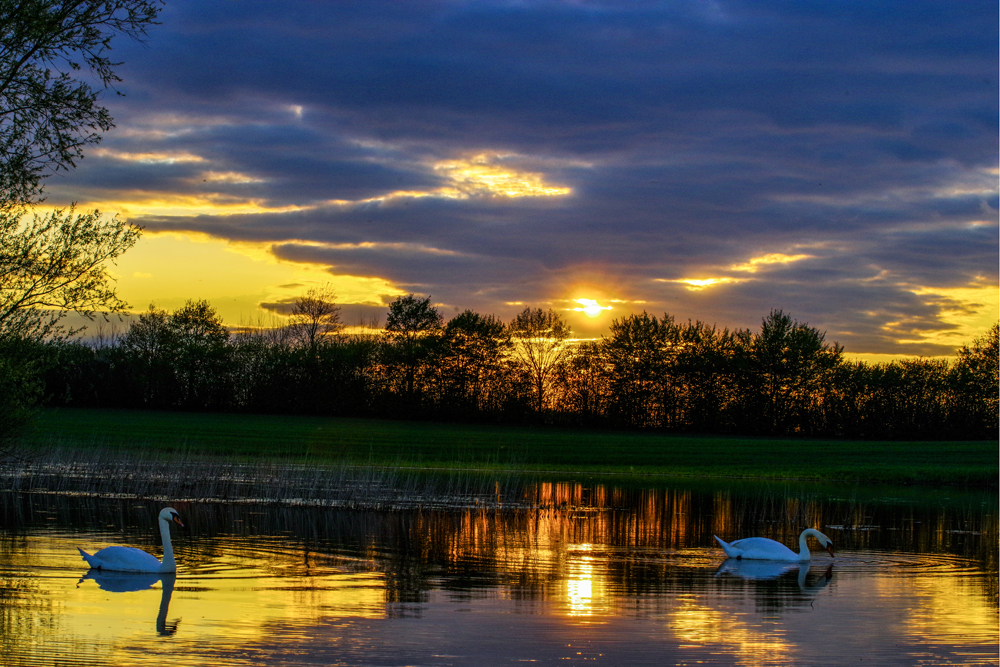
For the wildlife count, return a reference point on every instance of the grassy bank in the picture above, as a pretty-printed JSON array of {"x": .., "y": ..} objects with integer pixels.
[{"x": 455, "y": 446}]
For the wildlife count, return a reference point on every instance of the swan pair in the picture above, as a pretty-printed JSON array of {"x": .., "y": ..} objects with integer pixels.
[
  {"x": 130, "y": 559},
  {"x": 761, "y": 548}
]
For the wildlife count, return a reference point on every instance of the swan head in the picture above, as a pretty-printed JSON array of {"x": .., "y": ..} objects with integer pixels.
[
  {"x": 170, "y": 515},
  {"x": 823, "y": 540}
]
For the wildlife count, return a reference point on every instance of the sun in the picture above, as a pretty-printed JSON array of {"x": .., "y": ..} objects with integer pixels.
[{"x": 590, "y": 307}]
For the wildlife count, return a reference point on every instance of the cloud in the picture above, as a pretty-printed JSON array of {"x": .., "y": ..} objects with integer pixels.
[{"x": 828, "y": 159}]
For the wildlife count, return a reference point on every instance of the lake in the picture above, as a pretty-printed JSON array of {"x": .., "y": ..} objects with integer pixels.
[{"x": 568, "y": 572}]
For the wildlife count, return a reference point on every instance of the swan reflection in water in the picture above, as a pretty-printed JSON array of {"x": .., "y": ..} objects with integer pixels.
[
  {"x": 768, "y": 573},
  {"x": 130, "y": 582}
]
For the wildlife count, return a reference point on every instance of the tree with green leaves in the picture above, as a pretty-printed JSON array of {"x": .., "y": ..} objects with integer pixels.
[
  {"x": 54, "y": 65},
  {"x": 58, "y": 263},
  {"x": 540, "y": 345},
  {"x": 52, "y": 53}
]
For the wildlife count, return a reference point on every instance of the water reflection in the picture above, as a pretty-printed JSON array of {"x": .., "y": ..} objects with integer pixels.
[
  {"x": 130, "y": 582},
  {"x": 575, "y": 571}
]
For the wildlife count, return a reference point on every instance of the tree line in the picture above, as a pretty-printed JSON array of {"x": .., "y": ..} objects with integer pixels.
[{"x": 650, "y": 373}]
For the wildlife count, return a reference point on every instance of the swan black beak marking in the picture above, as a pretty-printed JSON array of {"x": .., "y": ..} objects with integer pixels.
[
  {"x": 829, "y": 548},
  {"x": 177, "y": 520}
]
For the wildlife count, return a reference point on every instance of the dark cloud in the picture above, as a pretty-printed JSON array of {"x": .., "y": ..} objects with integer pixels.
[{"x": 694, "y": 135}]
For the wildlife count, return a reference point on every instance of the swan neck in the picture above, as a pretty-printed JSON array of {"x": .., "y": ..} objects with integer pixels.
[
  {"x": 803, "y": 546},
  {"x": 168, "y": 548}
]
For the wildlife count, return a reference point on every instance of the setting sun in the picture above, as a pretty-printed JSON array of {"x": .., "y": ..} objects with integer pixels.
[{"x": 590, "y": 307}]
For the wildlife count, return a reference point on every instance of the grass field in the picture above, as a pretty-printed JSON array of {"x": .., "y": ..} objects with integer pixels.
[{"x": 530, "y": 449}]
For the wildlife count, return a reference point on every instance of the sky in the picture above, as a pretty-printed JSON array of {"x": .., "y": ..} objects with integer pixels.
[{"x": 713, "y": 160}]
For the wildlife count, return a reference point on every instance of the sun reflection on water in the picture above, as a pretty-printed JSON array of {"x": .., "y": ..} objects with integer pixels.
[{"x": 592, "y": 569}]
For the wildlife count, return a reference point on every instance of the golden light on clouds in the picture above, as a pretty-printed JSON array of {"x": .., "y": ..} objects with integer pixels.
[
  {"x": 227, "y": 177},
  {"x": 167, "y": 205},
  {"x": 754, "y": 264},
  {"x": 970, "y": 311},
  {"x": 697, "y": 284},
  {"x": 149, "y": 157},
  {"x": 482, "y": 176},
  {"x": 169, "y": 268}
]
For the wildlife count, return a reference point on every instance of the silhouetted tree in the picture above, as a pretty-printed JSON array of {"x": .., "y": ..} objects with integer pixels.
[
  {"x": 200, "y": 354},
  {"x": 789, "y": 364},
  {"x": 976, "y": 382},
  {"x": 473, "y": 363},
  {"x": 315, "y": 317},
  {"x": 412, "y": 325},
  {"x": 639, "y": 352},
  {"x": 540, "y": 345},
  {"x": 148, "y": 351}
]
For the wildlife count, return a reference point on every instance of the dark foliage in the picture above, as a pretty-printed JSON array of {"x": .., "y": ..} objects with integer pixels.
[{"x": 649, "y": 373}]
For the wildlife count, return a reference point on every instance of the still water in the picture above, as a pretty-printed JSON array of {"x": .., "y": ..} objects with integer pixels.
[{"x": 581, "y": 573}]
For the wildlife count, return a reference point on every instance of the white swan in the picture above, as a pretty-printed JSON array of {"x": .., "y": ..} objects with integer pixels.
[
  {"x": 761, "y": 548},
  {"x": 130, "y": 559}
]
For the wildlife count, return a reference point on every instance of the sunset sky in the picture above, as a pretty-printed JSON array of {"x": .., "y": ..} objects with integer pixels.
[{"x": 709, "y": 159}]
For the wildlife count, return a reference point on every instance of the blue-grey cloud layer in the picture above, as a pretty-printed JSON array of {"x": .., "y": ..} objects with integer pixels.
[{"x": 695, "y": 135}]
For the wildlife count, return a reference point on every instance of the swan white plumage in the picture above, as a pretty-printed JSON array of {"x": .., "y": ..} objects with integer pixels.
[
  {"x": 761, "y": 548},
  {"x": 130, "y": 559}
]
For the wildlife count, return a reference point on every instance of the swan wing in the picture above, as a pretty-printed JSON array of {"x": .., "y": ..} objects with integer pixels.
[
  {"x": 123, "y": 559},
  {"x": 762, "y": 548}
]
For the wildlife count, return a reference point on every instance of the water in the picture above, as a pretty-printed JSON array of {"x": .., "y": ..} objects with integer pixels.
[{"x": 586, "y": 574}]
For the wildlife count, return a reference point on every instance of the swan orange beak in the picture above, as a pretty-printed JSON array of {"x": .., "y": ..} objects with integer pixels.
[
  {"x": 829, "y": 548},
  {"x": 176, "y": 519}
]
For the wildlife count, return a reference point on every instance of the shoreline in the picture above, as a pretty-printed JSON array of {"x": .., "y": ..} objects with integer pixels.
[{"x": 464, "y": 449}]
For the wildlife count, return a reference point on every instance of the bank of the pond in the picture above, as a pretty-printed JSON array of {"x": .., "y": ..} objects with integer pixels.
[{"x": 403, "y": 444}]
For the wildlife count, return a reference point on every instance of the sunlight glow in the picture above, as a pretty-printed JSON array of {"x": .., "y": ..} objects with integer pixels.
[
  {"x": 189, "y": 205},
  {"x": 967, "y": 312},
  {"x": 590, "y": 307},
  {"x": 152, "y": 157},
  {"x": 756, "y": 263},
  {"x": 481, "y": 176},
  {"x": 697, "y": 284},
  {"x": 227, "y": 177},
  {"x": 236, "y": 277},
  {"x": 696, "y": 624}
]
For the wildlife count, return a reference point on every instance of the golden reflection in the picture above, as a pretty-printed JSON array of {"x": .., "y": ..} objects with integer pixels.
[
  {"x": 698, "y": 625},
  {"x": 241, "y": 597},
  {"x": 586, "y": 590},
  {"x": 943, "y": 612},
  {"x": 589, "y": 557}
]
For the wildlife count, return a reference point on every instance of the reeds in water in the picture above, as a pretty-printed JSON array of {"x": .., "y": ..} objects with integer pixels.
[{"x": 115, "y": 474}]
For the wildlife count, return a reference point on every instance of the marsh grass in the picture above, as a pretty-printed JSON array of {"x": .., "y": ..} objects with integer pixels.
[{"x": 151, "y": 475}]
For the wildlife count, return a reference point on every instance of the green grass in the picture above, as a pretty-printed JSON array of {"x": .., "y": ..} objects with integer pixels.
[{"x": 529, "y": 449}]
